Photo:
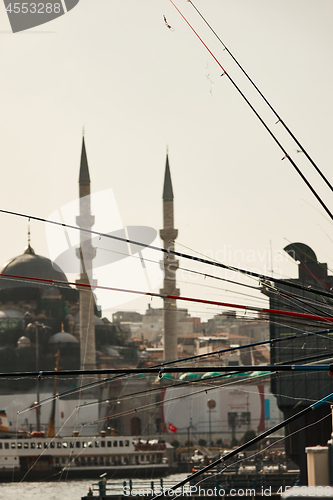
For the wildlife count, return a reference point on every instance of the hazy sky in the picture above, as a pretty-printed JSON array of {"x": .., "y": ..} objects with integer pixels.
[{"x": 137, "y": 87}]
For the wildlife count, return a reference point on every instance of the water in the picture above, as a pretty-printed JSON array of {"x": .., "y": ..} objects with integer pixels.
[
  {"x": 69, "y": 490},
  {"x": 64, "y": 490}
]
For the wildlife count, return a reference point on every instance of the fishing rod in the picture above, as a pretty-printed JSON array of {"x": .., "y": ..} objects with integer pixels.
[
  {"x": 302, "y": 303},
  {"x": 264, "y": 98},
  {"x": 286, "y": 155},
  {"x": 281, "y": 292},
  {"x": 253, "y": 441},
  {"x": 199, "y": 356},
  {"x": 59, "y": 283},
  {"x": 160, "y": 371},
  {"x": 262, "y": 277},
  {"x": 178, "y": 297},
  {"x": 210, "y": 381},
  {"x": 289, "y": 298},
  {"x": 163, "y": 402}
]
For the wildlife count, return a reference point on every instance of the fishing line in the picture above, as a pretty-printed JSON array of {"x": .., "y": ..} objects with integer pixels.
[
  {"x": 260, "y": 451},
  {"x": 264, "y": 98},
  {"x": 262, "y": 277},
  {"x": 226, "y": 385},
  {"x": 265, "y": 282},
  {"x": 45, "y": 449},
  {"x": 326, "y": 306},
  {"x": 210, "y": 380},
  {"x": 179, "y": 297},
  {"x": 222, "y": 289},
  {"x": 149, "y": 405},
  {"x": 299, "y": 303},
  {"x": 60, "y": 284},
  {"x": 192, "y": 271},
  {"x": 226, "y": 266},
  {"x": 286, "y": 155},
  {"x": 263, "y": 435},
  {"x": 190, "y": 358},
  {"x": 250, "y": 380}
]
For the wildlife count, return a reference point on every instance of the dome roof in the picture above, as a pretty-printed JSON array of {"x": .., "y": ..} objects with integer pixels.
[
  {"x": 23, "y": 342},
  {"x": 63, "y": 337},
  {"x": 97, "y": 321},
  {"x": 30, "y": 265}
]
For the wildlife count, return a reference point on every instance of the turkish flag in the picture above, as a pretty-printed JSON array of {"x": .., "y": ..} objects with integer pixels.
[{"x": 172, "y": 428}]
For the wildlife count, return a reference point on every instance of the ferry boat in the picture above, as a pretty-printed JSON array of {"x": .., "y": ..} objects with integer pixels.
[{"x": 32, "y": 456}]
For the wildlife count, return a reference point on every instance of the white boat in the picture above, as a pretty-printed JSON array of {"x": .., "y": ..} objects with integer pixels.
[{"x": 34, "y": 455}]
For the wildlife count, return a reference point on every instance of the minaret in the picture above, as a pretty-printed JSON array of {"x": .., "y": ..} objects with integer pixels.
[
  {"x": 168, "y": 235},
  {"x": 86, "y": 253}
]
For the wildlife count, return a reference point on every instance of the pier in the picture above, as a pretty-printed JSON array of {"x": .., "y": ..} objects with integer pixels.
[{"x": 226, "y": 485}]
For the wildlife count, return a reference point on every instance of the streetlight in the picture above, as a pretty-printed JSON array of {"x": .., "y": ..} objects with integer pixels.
[
  {"x": 211, "y": 405},
  {"x": 36, "y": 326}
]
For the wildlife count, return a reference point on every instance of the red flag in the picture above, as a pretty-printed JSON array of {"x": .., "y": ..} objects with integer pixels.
[{"x": 172, "y": 428}]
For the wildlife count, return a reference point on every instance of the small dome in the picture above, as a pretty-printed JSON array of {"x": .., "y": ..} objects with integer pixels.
[
  {"x": 111, "y": 351},
  {"x": 97, "y": 321},
  {"x": 23, "y": 342},
  {"x": 64, "y": 338}
]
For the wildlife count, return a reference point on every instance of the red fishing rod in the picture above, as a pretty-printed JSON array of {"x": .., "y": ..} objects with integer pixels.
[
  {"x": 174, "y": 297},
  {"x": 286, "y": 155},
  {"x": 264, "y": 98},
  {"x": 262, "y": 277}
]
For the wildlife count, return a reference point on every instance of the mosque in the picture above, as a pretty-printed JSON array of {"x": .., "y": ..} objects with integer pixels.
[{"x": 42, "y": 314}]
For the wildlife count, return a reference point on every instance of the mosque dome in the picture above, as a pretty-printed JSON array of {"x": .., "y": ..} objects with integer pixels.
[
  {"x": 23, "y": 342},
  {"x": 30, "y": 265},
  {"x": 97, "y": 320},
  {"x": 63, "y": 337}
]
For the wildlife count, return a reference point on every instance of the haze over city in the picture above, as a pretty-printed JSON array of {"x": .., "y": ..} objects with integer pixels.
[{"x": 139, "y": 87}]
